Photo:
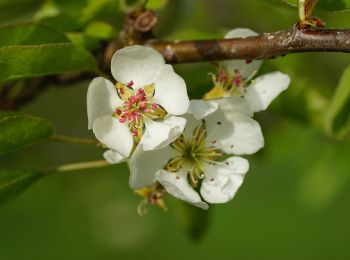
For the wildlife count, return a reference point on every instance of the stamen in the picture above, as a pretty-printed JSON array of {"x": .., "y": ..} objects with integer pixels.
[{"x": 130, "y": 84}]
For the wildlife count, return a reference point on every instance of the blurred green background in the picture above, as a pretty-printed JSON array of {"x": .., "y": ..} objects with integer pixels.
[{"x": 294, "y": 203}]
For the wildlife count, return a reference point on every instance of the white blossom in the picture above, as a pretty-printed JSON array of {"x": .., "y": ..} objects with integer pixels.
[
  {"x": 235, "y": 79},
  {"x": 142, "y": 107},
  {"x": 195, "y": 160}
]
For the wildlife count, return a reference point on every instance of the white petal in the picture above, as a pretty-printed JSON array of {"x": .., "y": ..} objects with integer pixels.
[
  {"x": 176, "y": 184},
  {"x": 109, "y": 131},
  {"x": 102, "y": 99},
  {"x": 246, "y": 69},
  {"x": 144, "y": 165},
  {"x": 160, "y": 134},
  {"x": 240, "y": 33},
  {"x": 201, "y": 108},
  {"x": 170, "y": 92},
  {"x": 113, "y": 157},
  {"x": 265, "y": 89},
  {"x": 221, "y": 182},
  {"x": 233, "y": 132},
  {"x": 237, "y": 104},
  {"x": 138, "y": 64}
]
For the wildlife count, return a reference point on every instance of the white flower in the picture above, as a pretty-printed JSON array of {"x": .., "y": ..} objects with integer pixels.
[
  {"x": 234, "y": 79},
  {"x": 194, "y": 161},
  {"x": 141, "y": 107}
]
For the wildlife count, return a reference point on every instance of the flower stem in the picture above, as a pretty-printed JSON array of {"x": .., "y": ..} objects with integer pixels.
[
  {"x": 72, "y": 139},
  {"x": 78, "y": 166}
]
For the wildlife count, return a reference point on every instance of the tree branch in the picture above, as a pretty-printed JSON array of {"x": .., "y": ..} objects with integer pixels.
[{"x": 269, "y": 45}]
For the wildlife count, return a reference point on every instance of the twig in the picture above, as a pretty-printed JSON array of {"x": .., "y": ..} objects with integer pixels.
[
  {"x": 73, "y": 139},
  {"x": 78, "y": 166},
  {"x": 266, "y": 46}
]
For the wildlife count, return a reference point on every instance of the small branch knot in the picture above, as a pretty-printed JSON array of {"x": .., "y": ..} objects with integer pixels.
[{"x": 146, "y": 21}]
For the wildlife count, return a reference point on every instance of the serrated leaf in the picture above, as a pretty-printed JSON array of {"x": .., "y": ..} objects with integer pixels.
[
  {"x": 29, "y": 34},
  {"x": 19, "y": 130},
  {"x": 14, "y": 182},
  {"x": 44, "y": 59},
  {"x": 327, "y": 5},
  {"x": 338, "y": 113}
]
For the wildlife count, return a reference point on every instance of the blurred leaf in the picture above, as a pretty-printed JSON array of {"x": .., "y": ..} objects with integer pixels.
[
  {"x": 49, "y": 8},
  {"x": 326, "y": 177},
  {"x": 12, "y": 183},
  {"x": 19, "y": 130},
  {"x": 14, "y": 11},
  {"x": 63, "y": 22},
  {"x": 338, "y": 114},
  {"x": 328, "y": 5},
  {"x": 193, "y": 220},
  {"x": 156, "y": 4},
  {"x": 129, "y": 5},
  {"x": 100, "y": 30},
  {"x": 44, "y": 59},
  {"x": 29, "y": 33},
  {"x": 72, "y": 16},
  {"x": 85, "y": 41},
  {"x": 94, "y": 8}
]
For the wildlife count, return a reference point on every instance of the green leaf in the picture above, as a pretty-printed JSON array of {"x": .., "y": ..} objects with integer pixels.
[
  {"x": 338, "y": 114},
  {"x": 14, "y": 182},
  {"x": 44, "y": 59},
  {"x": 327, "y": 5},
  {"x": 19, "y": 130},
  {"x": 29, "y": 34}
]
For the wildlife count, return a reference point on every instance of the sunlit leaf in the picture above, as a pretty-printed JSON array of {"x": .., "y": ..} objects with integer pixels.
[
  {"x": 44, "y": 59},
  {"x": 29, "y": 34},
  {"x": 19, "y": 130},
  {"x": 338, "y": 114},
  {"x": 14, "y": 182}
]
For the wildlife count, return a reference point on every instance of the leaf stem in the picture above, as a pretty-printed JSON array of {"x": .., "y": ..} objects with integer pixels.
[
  {"x": 78, "y": 166},
  {"x": 73, "y": 139}
]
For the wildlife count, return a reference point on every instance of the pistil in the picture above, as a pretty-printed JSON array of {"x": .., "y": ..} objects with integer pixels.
[{"x": 137, "y": 105}]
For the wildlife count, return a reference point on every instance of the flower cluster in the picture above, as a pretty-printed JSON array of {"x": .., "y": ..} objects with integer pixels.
[{"x": 190, "y": 149}]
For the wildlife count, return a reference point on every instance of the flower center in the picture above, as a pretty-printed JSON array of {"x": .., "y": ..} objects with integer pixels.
[
  {"x": 137, "y": 105},
  {"x": 193, "y": 154},
  {"x": 228, "y": 83}
]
